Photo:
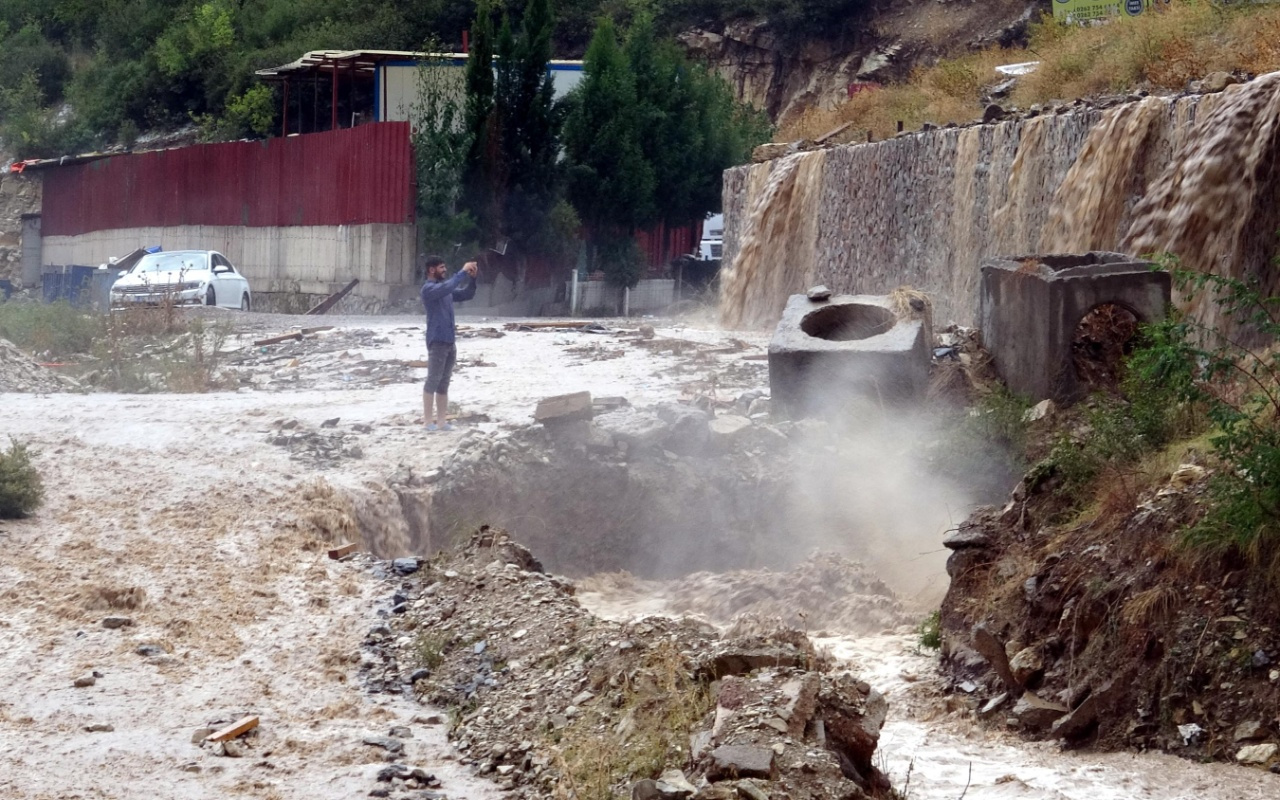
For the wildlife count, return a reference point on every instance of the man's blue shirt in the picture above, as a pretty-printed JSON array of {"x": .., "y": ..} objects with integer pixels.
[{"x": 437, "y": 301}]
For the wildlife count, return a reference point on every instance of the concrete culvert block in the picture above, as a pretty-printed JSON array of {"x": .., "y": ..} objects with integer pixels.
[
  {"x": 823, "y": 353},
  {"x": 1042, "y": 323}
]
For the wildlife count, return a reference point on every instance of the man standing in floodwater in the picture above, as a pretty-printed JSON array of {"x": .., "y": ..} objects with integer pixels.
[{"x": 438, "y": 296}]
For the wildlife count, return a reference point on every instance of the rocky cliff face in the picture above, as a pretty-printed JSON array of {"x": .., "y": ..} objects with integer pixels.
[
  {"x": 18, "y": 195},
  {"x": 782, "y": 76}
]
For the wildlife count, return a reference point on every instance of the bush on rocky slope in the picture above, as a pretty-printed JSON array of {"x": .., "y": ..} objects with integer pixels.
[{"x": 21, "y": 490}]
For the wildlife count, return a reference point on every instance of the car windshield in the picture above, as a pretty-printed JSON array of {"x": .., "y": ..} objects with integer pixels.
[{"x": 172, "y": 262}]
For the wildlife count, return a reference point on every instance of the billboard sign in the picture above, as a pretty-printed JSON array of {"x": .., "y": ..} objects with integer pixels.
[{"x": 1089, "y": 11}]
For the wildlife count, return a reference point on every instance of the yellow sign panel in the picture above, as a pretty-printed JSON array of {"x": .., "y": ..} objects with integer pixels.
[{"x": 1078, "y": 11}]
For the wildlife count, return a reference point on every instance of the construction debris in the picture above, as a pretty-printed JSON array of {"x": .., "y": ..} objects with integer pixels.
[
  {"x": 237, "y": 728},
  {"x": 332, "y": 300}
]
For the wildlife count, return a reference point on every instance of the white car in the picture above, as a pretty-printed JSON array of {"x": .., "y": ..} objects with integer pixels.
[{"x": 183, "y": 277}]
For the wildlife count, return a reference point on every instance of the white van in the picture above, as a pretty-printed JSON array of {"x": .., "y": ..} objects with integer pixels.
[{"x": 712, "y": 244}]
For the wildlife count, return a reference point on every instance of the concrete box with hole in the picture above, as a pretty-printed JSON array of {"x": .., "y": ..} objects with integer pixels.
[
  {"x": 1031, "y": 308},
  {"x": 825, "y": 353}
]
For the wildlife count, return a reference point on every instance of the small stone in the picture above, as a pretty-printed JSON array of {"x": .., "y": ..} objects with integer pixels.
[
  {"x": 1026, "y": 663},
  {"x": 992, "y": 705},
  {"x": 116, "y": 622},
  {"x": 393, "y": 746},
  {"x": 1257, "y": 754},
  {"x": 84, "y": 681},
  {"x": 332, "y": 422},
  {"x": 1039, "y": 411},
  {"x": 149, "y": 650},
  {"x": 401, "y": 732},
  {"x": 200, "y": 734},
  {"x": 420, "y": 674},
  {"x": 993, "y": 113},
  {"x": 520, "y": 634},
  {"x": 582, "y": 697},
  {"x": 99, "y": 728},
  {"x": 742, "y": 761},
  {"x": 190, "y": 766},
  {"x": 1250, "y": 731},
  {"x": 405, "y": 566},
  {"x": 232, "y": 749},
  {"x": 1035, "y": 713},
  {"x": 819, "y": 294},
  {"x": 1217, "y": 81}
]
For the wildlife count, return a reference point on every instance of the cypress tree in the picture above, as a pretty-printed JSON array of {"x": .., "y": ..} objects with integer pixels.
[{"x": 610, "y": 181}]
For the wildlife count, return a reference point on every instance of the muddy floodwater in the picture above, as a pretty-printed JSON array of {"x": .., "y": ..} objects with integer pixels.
[{"x": 203, "y": 520}]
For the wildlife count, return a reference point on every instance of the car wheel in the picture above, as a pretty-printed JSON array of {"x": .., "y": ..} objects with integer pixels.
[
  {"x": 210, "y": 298},
  {"x": 244, "y": 302}
]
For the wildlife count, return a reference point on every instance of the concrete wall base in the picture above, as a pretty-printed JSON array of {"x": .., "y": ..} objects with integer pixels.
[{"x": 306, "y": 259}]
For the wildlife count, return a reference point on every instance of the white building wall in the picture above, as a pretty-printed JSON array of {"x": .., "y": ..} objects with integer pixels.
[{"x": 310, "y": 259}]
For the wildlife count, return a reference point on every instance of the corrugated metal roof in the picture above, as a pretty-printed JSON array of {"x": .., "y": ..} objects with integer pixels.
[{"x": 345, "y": 177}]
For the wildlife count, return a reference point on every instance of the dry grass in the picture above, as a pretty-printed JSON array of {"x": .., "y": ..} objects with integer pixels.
[
  {"x": 1159, "y": 52},
  {"x": 1154, "y": 606},
  {"x": 663, "y": 702}
]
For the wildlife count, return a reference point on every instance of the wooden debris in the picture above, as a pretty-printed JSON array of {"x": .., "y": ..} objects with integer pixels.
[
  {"x": 320, "y": 329},
  {"x": 515, "y": 326},
  {"x": 760, "y": 357},
  {"x": 833, "y": 133},
  {"x": 332, "y": 300},
  {"x": 233, "y": 730},
  {"x": 288, "y": 337},
  {"x": 347, "y": 548}
]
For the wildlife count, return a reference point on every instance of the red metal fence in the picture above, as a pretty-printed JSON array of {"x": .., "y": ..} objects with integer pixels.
[{"x": 344, "y": 177}]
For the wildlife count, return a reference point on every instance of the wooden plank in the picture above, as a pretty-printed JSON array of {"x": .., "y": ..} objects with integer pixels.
[
  {"x": 233, "y": 730},
  {"x": 288, "y": 337},
  {"x": 320, "y": 329},
  {"x": 513, "y": 326},
  {"x": 834, "y": 132},
  {"x": 346, "y": 548},
  {"x": 332, "y": 300},
  {"x": 760, "y": 357}
]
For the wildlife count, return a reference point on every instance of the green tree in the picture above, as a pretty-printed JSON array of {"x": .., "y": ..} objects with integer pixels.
[
  {"x": 610, "y": 182},
  {"x": 441, "y": 142},
  {"x": 482, "y": 179},
  {"x": 529, "y": 126}
]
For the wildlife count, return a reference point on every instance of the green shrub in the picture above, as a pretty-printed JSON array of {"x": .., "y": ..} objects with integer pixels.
[
  {"x": 21, "y": 490},
  {"x": 57, "y": 328},
  {"x": 929, "y": 631}
]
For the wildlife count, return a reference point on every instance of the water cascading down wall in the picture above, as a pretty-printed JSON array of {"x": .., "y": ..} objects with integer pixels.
[{"x": 1192, "y": 175}]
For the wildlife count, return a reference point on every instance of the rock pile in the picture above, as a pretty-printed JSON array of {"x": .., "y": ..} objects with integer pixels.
[
  {"x": 546, "y": 698},
  {"x": 18, "y": 373},
  {"x": 320, "y": 448}
]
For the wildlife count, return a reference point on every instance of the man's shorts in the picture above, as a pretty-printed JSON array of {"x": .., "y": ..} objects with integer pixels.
[{"x": 440, "y": 358}]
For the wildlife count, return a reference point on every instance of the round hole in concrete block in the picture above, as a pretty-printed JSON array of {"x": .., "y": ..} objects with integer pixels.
[
  {"x": 847, "y": 322},
  {"x": 1102, "y": 340}
]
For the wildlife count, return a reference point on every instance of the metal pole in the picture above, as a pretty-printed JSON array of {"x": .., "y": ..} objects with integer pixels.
[{"x": 573, "y": 293}]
